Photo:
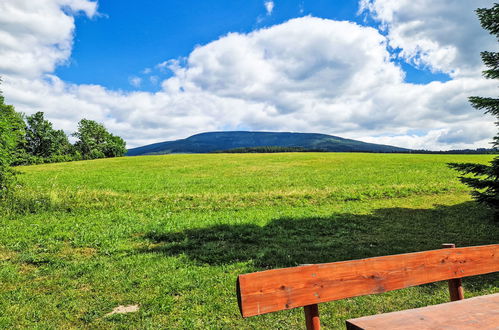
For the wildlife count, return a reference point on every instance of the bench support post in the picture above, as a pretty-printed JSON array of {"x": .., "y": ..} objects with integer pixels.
[
  {"x": 312, "y": 317},
  {"x": 455, "y": 285}
]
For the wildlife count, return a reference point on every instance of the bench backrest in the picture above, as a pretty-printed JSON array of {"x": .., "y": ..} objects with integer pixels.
[{"x": 286, "y": 288}]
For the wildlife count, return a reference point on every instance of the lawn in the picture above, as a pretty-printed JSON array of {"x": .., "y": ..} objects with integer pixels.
[{"x": 171, "y": 234}]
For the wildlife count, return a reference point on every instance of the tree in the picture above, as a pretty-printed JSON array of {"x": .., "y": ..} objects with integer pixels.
[
  {"x": 11, "y": 138},
  {"x": 44, "y": 141},
  {"x": 485, "y": 178},
  {"x": 94, "y": 141},
  {"x": 115, "y": 146}
]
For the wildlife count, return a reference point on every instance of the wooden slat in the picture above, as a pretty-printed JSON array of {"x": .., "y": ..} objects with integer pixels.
[
  {"x": 473, "y": 313},
  {"x": 279, "y": 289}
]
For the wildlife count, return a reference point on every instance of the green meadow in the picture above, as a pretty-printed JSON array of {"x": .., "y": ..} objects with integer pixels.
[{"x": 171, "y": 233}]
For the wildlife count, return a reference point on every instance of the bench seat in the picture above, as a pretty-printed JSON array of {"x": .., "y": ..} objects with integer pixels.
[{"x": 473, "y": 313}]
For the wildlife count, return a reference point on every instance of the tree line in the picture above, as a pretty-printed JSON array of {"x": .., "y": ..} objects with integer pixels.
[
  {"x": 266, "y": 149},
  {"x": 38, "y": 142},
  {"x": 276, "y": 149},
  {"x": 32, "y": 139}
]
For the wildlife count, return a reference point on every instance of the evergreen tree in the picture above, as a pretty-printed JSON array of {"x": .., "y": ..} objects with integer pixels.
[{"x": 485, "y": 178}]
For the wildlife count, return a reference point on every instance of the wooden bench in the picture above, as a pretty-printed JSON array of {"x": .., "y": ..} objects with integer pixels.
[
  {"x": 480, "y": 312},
  {"x": 308, "y": 285}
]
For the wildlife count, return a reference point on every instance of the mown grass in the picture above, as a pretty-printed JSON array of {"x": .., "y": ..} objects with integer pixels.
[{"x": 171, "y": 233}]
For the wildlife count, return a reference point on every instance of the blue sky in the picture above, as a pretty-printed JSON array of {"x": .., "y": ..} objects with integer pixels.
[
  {"x": 382, "y": 71},
  {"x": 129, "y": 37}
]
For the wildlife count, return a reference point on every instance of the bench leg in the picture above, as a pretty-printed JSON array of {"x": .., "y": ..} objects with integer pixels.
[
  {"x": 312, "y": 317},
  {"x": 455, "y": 285}
]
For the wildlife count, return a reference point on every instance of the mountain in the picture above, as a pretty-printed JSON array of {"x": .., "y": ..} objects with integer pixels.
[{"x": 227, "y": 141}]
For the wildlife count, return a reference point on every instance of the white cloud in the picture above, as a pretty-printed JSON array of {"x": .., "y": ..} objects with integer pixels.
[
  {"x": 135, "y": 81},
  {"x": 307, "y": 74},
  {"x": 154, "y": 80},
  {"x": 269, "y": 6},
  {"x": 443, "y": 35},
  {"x": 169, "y": 65},
  {"x": 35, "y": 36}
]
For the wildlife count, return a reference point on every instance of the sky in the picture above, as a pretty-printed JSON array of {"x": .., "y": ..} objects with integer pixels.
[{"x": 382, "y": 71}]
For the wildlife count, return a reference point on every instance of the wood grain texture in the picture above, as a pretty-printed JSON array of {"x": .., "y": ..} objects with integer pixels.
[
  {"x": 287, "y": 288},
  {"x": 473, "y": 313}
]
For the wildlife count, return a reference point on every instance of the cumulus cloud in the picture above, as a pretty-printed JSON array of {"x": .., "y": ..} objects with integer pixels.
[
  {"x": 269, "y": 7},
  {"x": 35, "y": 36},
  {"x": 307, "y": 74},
  {"x": 444, "y": 36}
]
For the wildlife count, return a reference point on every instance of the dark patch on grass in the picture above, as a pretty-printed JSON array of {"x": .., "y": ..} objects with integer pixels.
[{"x": 288, "y": 242}]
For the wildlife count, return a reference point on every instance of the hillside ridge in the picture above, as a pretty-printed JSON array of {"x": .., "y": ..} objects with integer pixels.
[{"x": 209, "y": 142}]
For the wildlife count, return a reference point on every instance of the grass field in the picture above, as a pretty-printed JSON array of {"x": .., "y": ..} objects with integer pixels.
[{"x": 171, "y": 234}]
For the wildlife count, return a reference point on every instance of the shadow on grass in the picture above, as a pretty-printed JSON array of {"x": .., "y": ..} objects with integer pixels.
[{"x": 288, "y": 242}]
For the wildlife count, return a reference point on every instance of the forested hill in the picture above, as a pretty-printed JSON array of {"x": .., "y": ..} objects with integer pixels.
[{"x": 226, "y": 141}]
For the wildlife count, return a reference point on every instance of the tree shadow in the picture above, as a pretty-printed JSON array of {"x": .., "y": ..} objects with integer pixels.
[{"x": 285, "y": 242}]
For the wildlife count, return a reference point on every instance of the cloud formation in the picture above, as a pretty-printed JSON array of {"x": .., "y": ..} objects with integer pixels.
[
  {"x": 444, "y": 36},
  {"x": 135, "y": 81},
  {"x": 307, "y": 74},
  {"x": 35, "y": 36},
  {"x": 269, "y": 6}
]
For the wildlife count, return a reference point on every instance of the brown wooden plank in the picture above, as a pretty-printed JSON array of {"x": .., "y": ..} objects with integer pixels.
[
  {"x": 279, "y": 289},
  {"x": 473, "y": 313}
]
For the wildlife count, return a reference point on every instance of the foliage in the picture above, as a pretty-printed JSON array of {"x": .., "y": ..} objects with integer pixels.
[
  {"x": 94, "y": 141},
  {"x": 33, "y": 140},
  {"x": 485, "y": 178},
  {"x": 266, "y": 149},
  {"x": 273, "y": 149},
  {"x": 43, "y": 144},
  {"x": 44, "y": 141},
  {"x": 171, "y": 233},
  {"x": 11, "y": 138}
]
